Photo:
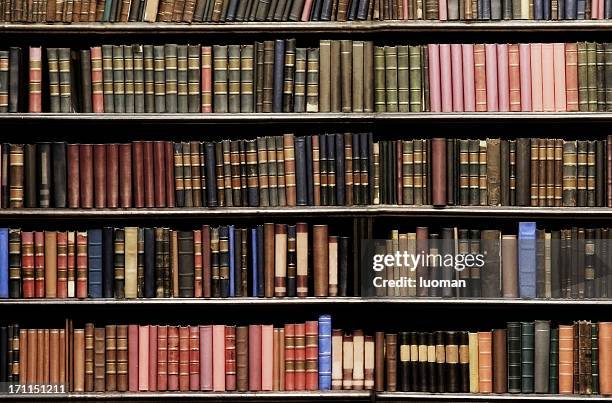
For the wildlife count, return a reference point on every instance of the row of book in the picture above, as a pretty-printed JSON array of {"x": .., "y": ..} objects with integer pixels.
[
  {"x": 572, "y": 263},
  {"x": 192, "y": 11},
  {"x": 524, "y": 357},
  {"x": 269, "y": 260},
  {"x": 279, "y": 260},
  {"x": 318, "y": 170},
  {"x": 337, "y": 76},
  {"x": 136, "y": 358}
]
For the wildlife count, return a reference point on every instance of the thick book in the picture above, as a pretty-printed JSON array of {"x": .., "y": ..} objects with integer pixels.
[{"x": 527, "y": 259}]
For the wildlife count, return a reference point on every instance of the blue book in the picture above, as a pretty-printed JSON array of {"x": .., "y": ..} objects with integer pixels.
[
  {"x": 108, "y": 262},
  {"x": 94, "y": 262},
  {"x": 254, "y": 278},
  {"x": 260, "y": 262},
  {"x": 527, "y": 259},
  {"x": 232, "y": 266},
  {"x": 4, "y": 271},
  {"x": 325, "y": 352},
  {"x": 149, "y": 263}
]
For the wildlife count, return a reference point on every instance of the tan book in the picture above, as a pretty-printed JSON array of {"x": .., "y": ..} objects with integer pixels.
[
  {"x": 473, "y": 365},
  {"x": 368, "y": 362},
  {"x": 347, "y": 361},
  {"x": 280, "y": 260},
  {"x": 358, "y": 360},
  {"x": 150, "y": 12},
  {"x": 89, "y": 357},
  {"x": 325, "y": 76},
  {"x": 333, "y": 266},
  {"x": 50, "y": 264},
  {"x": 337, "y": 357},
  {"x": 302, "y": 259},
  {"x": 99, "y": 359},
  {"x": 131, "y": 262},
  {"x": 78, "y": 361}
]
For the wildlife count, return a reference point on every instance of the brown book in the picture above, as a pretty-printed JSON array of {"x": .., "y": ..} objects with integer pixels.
[
  {"x": 110, "y": 368},
  {"x": 269, "y": 250},
  {"x": 125, "y": 175},
  {"x": 86, "y": 177},
  {"x": 485, "y": 362},
  {"x": 438, "y": 146},
  {"x": 78, "y": 361},
  {"x": 500, "y": 378},
  {"x": 280, "y": 260},
  {"x": 493, "y": 172},
  {"x": 112, "y": 175},
  {"x": 170, "y": 185},
  {"x": 54, "y": 357},
  {"x": 242, "y": 358},
  {"x": 605, "y": 358},
  {"x": 391, "y": 362},
  {"x": 138, "y": 170},
  {"x": 50, "y": 264},
  {"x": 159, "y": 172},
  {"x": 320, "y": 260},
  {"x": 122, "y": 358},
  {"x": 289, "y": 167},
  {"x": 379, "y": 364},
  {"x": 99, "y": 175},
  {"x": 99, "y": 359},
  {"x": 72, "y": 166},
  {"x": 89, "y": 357},
  {"x": 566, "y": 359},
  {"x": 149, "y": 174}
]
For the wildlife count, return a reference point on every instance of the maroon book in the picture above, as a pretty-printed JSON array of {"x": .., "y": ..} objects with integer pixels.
[
  {"x": 159, "y": 175},
  {"x": 149, "y": 172},
  {"x": 194, "y": 358},
  {"x": 169, "y": 155},
  {"x": 173, "y": 358},
  {"x": 138, "y": 163},
  {"x": 206, "y": 273},
  {"x": 125, "y": 174},
  {"x": 133, "y": 358},
  {"x": 72, "y": 167},
  {"x": 254, "y": 358},
  {"x": 152, "y": 358},
  {"x": 183, "y": 358},
  {"x": 99, "y": 171},
  {"x": 112, "y": 175},
  {"x": 86, "y": 175}
]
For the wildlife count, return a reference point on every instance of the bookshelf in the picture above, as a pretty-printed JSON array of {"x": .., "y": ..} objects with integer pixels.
[{"x": 278, "y": 308}]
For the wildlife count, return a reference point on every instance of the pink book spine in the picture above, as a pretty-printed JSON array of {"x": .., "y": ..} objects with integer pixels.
[
  {"x": 525, "y": 74},
  {"x": 405, "y": 9},
  {"x": 491, "y": 71},
  {"x": 206, "y": 362},
  {"x": 514, "y": 77},
  {"x": 435, "y": 101},
  {"x": 183, "y": 358},
  {"x": 152, "y": 358},
  {"x": 548, "y": 78},
  {"x": 133, "y": 355},
  {"x": 596, "y": 13},
  {"x": 218, "y": 353},
  {"x": 35, "y": 81},
  {"x": 536, "y": 77},
  {"x": 469, "y": 95},
  {"x": 446, "y": 78},
  {"x": 162, "y": 358},
  {"x": 306, "y": 10},
  {"x": 443, "y": 10},
  {"x": 559, "y": 67},
  {"x": 571, "y": 76},
  {"x": 480, "y": 77},
  {"x": 143, "y": 358},
  {"x": 230, "y": 358},
  {"x": 457, "y": 76},
  {"x": 207, "y": 79},
  {"x": 503, "y": 81},
  {"x": 601, "y": 9},
  {"x": 255, "y": 357},
  {"x": 97, "y": 94},
  {"x": 267, "y": 356}
]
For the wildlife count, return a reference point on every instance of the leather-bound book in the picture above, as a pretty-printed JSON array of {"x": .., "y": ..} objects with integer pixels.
[
  {"x": 312, "y": 355},
  {"x": 230, "y": 358},
  {"x": 119, "y": 262},
  {"x": 491, "y": 273},
  {"x": 150, "y": 174},
  {"x": 493, "y": 172},
  {"x": 289, "y": 356},
  {"x": 111, "y": 364},
  {"x": 439, "y": 171},
  {"x": 122, "y": 358},
  {"x": 320, "y": 260},
  {"x": 333, "y": 266},
  {"x": 267, "y": 356},
  {"x": 553, "y": 380},
  {"x": 523, "y": 153},
  {"x": 440, "y": 373},
  {"x": 358, "y": 360},
  {"x": 430, "y": 368},
  {"x": 585, "y": 379},
  {"x": 99, "y": 175},
  {"x": 58, "y": 174},
  {"x": 35, "y": 80},
  {"x": 78, "y": 380},
  {"x": 109, "y": 176},
  {"x": 500, "y": 377},
  {"x": 99, "y": 349},
  {"x": 27, "y": 264},
  {"x": 594, "y": 358},
  {"x": 89, "y": 357},
  {"x": 391, "y": 362},
  {"x": 379, "y": 365},
  {"x": 570, "y": 165},
  {"x": 242, "y": 358},
  {"x": 81, "y": 264},
  {"x": 43, "y": 155},
  {"x": 143, "y": 358},
  {"x": 30, "y": 174},
  {"x": 137, "y": 160},
  {"x": 337, "y": 360},
  {"x": 132, "y": 355},
  {"x": 605, "y": 358},
  {"x": 178, "y": 175},
  {"x": 206, "y": 358},
  {"x": 422, "y": 241},
  {"x": 299, "y": 355},
  {"x": 183, "y": 358},
  {"x": 73, "y": 169},
  {"x": 186, "y": 267},
  {"x": 348, "y": 362},
  {"x": 131, "y": 262},
  {"x": 255, "y": 355},
  {"x": 224, "y": 261},
  {"x": 173, "y": 358},
  {"x": 16, "y": 176},
  {"x": 527, "y": 357},
  {"x": 125, "y": 175},
  {"x": 162, "y": 358},
  {"x": 151, "y": 371},
  {"x": 94, "y": 263},
  {"x": 509, "y": 266},
  {"x": 474, "y": 362}
]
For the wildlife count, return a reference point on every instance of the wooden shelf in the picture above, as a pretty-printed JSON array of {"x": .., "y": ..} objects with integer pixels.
[
  {"x": 331, "y": 301},
  {"x": 321, "y": 211},
  {"x": 470, "y": 397},
  {"x": 275, "y": 118},
  {"x": 313, "y": 27}
]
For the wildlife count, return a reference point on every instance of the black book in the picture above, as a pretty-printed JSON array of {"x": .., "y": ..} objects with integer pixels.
[
  {"x": 435, "y": 271},
  {"x": 451, "y": 174},
  {"x": 211, "y": 176},
  {"x": 296, "y": 10},
  {"x": 362, "y": 9},
  {"x": 185, "y": 264},
  {"x": 315, "y": 14},
  {"x": 279, "y": 67},
  {"x": 504, "y": 184},
  {"x": 343, "y": 273},
  {"x": 232, "y": 10},
  {"x": 292, "y": 261},
  {"x": 367, "y": 167},
  {"x": 300, "y": 172},
  {"x": 453, "y": 371},
  {"x": 463, "y": 376},
  {"x": 447, "y": 246},
  {"x": 203, "y": 165},
  {"x": 340, "y": 182},
  {"x": 85, "y": 71},
  {"x": 607, "y": 9},
  {"x": 403, "y": 362},
  {"x": 15, "y": 101},
  {"x": 440, "y": 365},
  {"x": 491, "y": 272},
  {"x": 431, "y": 364},
  {"x": 414, "y": 363},
  {"x": 555, "y": 264},
  {"x": 149, "y": 263},
  {"x": 309, "y": 174},
  {"x": 357, "y": 192},
  {"x": 108, "y": 263},
  {"x": 30, "y": 173},
  {"x": 323, "y": 170},
  {"x": 224, "y": 261},
  {"x": 244, "y": 195},
  {"x": 422, "y": 365},
  {"x": 326, "y": 10},
  {"x": 59, "y": 175},
  {"x": 3, "y": 358},
  {"x": 600, "y": 172},
  {"x": 475, "y": 279},
  {"x": 331, "y": 170},
  {"x": 178, "y": 174},
  {"x": 237, "y": 251},
  {"x": 352, "y": 12},
  {"x": 44, "y": 174}
]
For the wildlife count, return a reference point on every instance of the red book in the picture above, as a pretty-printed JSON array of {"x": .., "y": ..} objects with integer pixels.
[
  {"x": 149, "y": 187},
  {"x": 457, "y": 76},
  {"x": 197, "y": 263},
  {"x": 218, "y": 357},
  {"x": 206, "y": 358},
  {"x": 571, "y": 76},
  {"x": 255, "y": 358},
  {"x": 27, "y": 264},
  {"x": 503, "y": 80},
  {"x": 446, "y": 78},
  {"x": 112, "y": 175},
  {"x": 71, "y": 264},
  {"x": 99, "y": 173},
  {"x": 133, "y": 358},
  {"x": 312, "y": 355},
  {"x": 206, "y": 274},
  {"x": 162, "y": 358},
  {"x": 230, "y": 358},
  {"x": 525, "y": 75},
  {"x": 207, "y": 79},
  {"x": 97, "y": 91},
  {"x": 81, "y": 265},
  {"x": 173, "y": 358},
  {"x": 169, "y": 156},
  {"x": 138, "y": 169},
  {"x": 514, "y": 77},
  {"x": 72, "y": 167},
  {"x": 152, "y": 358},
  {"x": 62, "y": 264},
  {"x": 435, "y": 100},
  {"x": 143, "y": 358},
  {"x": 289, "y": 356},
  {"x": 469, "y": 90},
  {"x": 491, "y": 73},
  {"x": 35, "y": 80},
  {"x": 39, "y": 264},
  {"x": 125, "y": 175},
  {"x": 183, "y": 358},
  {"x": 480, "y": 78},
  {"x": 300, "y": 356},
  {"x": 159, "y": 173},
  {"x": 86, "y": 175},
  {"x": 194, "y": 358}
]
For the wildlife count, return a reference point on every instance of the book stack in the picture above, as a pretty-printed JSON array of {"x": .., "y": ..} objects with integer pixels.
[
  {"x": 141, "y": 358},
  {"x": 337, "y": 76},
  {"x": 297, "y": 10},
  {"x": 268, "y": 260}
]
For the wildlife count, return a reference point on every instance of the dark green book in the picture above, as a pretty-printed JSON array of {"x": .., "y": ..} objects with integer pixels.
[
  {"x": 149, "y": 79},
  {"x": 415, "y": 78},
  {"x": 514, "y": 357},
  {"x": 54, "y": 80},
  {"x": 403, "y": 79},
  {"x": 299, "y": 98},
  {"x": 527, "y": 356},
  {"x": 193, "y": 78},
  {"x": 289, "y": 73},
  {"x": 233, "y": 78},
  {"x": 128, "y": 63},
  {"x": 139, "y": 74},
  {"x": 247, "y": 100},
  {"x": 182, "y": 61},
  {"x": 553, "y": 373},
  {"x": 592, "y": 76},
  {"x": 380, "y": 104},
  {"x": 583, "y": 93},
  {"x": 171, "y": 63},
  {"x": 608, "y": 75},
  {"x": 600, "y": 58},
  {"x": 159, "y": 79},
  {"x": 118, "y": 79},
  {"x": 220, "y": 78},
  {"x": 391, "y": 79}
]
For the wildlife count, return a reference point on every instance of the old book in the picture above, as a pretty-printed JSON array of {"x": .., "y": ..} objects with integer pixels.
[{"x": 514, "y": 357}]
